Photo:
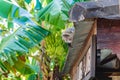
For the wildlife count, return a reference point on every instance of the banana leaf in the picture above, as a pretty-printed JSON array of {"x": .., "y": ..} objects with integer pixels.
[
  {"x": 38, "y": 5},
  {"x": 19, "y": 65},
  {"x": 71, "y": 2},
  {"x": 55, "y": 13},
  {"x": 28, "y": 35},
  {"x": 28, "y": 1},
  {"x": 46, "y": 1}
]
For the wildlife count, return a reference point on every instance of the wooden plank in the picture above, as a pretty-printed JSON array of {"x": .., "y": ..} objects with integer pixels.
[
  {"x": 91, "y": 74},
  {"x": 87, "y": 73},
  {"x": 108, "y": 59},
  {"x": 93, "y": 60},
  {"x": 86, "y": 45},
  {"x": 78, "y": 41}
]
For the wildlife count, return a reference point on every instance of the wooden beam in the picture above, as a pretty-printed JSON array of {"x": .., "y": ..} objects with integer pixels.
[
  {"x": 106, "y": 70},
  {"x": 108, "y": 59},
  {"x": 86, "y": 45}
]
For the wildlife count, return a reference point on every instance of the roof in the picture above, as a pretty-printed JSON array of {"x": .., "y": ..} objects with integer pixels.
[
  {"x": 108, "y": 9},
  {"x": 81, "y": 31}
]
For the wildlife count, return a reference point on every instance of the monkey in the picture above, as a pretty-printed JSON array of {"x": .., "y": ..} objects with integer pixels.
[{"x": 67, "y": 36}]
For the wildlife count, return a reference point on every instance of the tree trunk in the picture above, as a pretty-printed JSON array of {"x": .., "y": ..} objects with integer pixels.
[{"x": 56, "y": 73}]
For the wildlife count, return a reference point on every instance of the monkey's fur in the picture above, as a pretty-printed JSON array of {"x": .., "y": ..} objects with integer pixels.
[{"x": 67, "y": 35}]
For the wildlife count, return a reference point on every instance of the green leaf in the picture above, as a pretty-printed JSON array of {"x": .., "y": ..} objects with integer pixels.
[
  {"x": 27, "y": 35},
  {"x": 28, "y": 1},
  {"x": 22, "y": 67},
  {"x": 38, "y": 5},
  {"x": 7, "y": 6},
  {"x": 45, "y": 2},
  {"x": 10, "y": 25},
  {"x": 22, "y": 39},
  {"x": 55, "y": 13},
  {"x": 32, "y": 77},
  {"x": 71, "y": 2},
  {"x": 19, "y": 65}
]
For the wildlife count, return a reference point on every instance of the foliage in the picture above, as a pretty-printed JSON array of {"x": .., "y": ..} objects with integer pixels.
[
  {"x": 21, "y": 35},
  {"x": 71, "y": 2},
  {"x": 55, "y": 13},
  {"x": 27, "y": 35},
  {"x": 80, "y": 0},
  {"x": 56, "y": 48},
  {"x": 55, "y": 17}
]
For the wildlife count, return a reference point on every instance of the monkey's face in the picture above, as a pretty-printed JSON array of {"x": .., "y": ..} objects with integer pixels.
[{"x": 67, "y": 36}]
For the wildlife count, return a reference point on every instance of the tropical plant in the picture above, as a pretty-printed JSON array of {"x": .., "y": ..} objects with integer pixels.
[
  {"x": 22, "y": 56},
  {"x": 54, "y": 19},
  {"x": 15, "y": 46}
]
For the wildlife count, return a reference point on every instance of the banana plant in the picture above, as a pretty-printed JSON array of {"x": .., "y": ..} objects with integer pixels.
[
  {"x": 55, "y": 13},
  {"x": 52, "y": 15},
  {"x": 55, "y": 17},
  {"x": 27, "y": 35}
]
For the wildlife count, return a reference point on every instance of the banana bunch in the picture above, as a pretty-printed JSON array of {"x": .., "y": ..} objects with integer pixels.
[{"x": 56, "y": 48}]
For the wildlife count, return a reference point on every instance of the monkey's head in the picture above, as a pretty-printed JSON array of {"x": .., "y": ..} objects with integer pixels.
[{"x": 67, "y": 35}]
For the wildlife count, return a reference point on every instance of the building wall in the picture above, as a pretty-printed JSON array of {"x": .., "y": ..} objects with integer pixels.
[
  {"x": 75, "y": 70},
  {"x": 108, "y": 35}
]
